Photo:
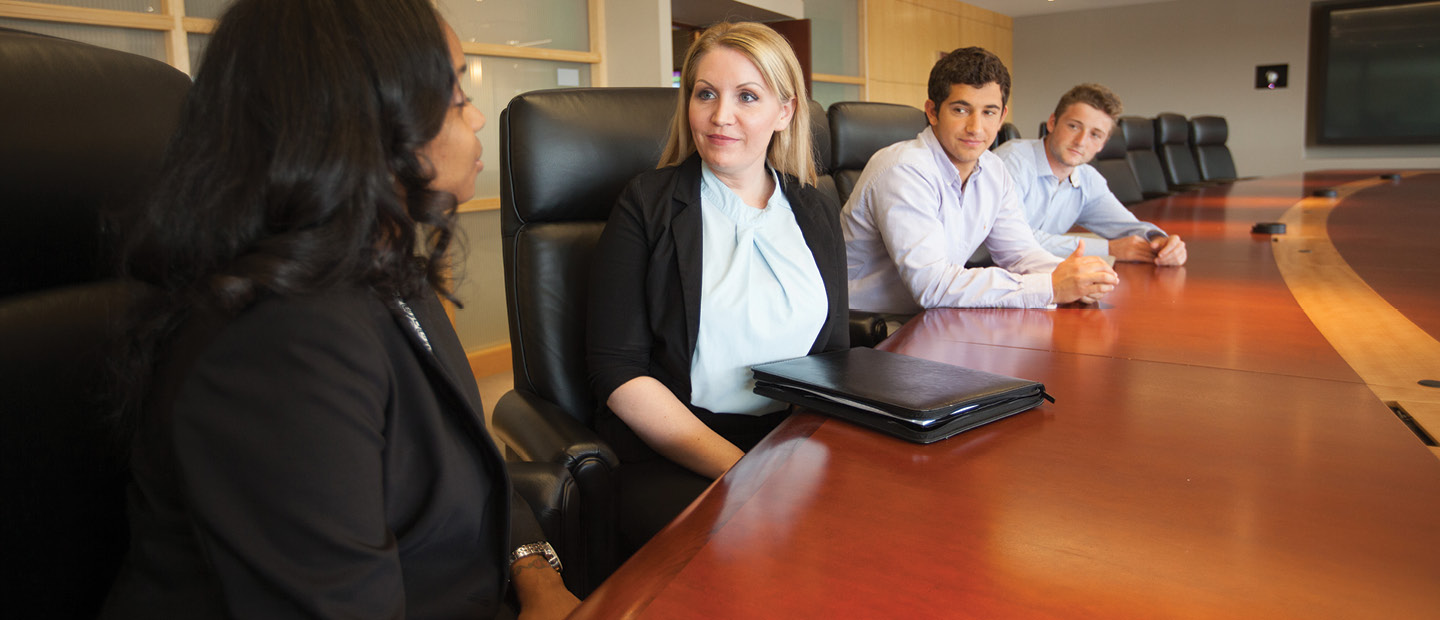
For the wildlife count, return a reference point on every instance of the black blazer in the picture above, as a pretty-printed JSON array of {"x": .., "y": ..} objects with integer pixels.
[
  {"x": 644, "y": 313},
  {"x": 310, "y": 457}
]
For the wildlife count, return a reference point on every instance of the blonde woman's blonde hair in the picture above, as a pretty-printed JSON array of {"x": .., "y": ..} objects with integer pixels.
[{"x": 790, "y": 151}]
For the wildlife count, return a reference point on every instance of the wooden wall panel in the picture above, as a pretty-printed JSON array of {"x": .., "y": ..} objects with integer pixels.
[{"x": 905, "y": 37}]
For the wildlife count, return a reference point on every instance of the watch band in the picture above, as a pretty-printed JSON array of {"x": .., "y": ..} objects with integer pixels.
[{"x": 537, "y": 548}]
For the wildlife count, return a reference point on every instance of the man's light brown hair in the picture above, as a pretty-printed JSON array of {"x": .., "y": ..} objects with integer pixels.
[{"x": 1093, "y": 95}]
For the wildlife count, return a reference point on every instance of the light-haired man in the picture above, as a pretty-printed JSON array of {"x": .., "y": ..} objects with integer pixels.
[
  {"x": 923, "y": 206},
  {"x": 1059, "y": 188}
]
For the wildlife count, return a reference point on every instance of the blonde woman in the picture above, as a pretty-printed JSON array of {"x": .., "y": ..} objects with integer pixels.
[{"x": 724, "y": 257}]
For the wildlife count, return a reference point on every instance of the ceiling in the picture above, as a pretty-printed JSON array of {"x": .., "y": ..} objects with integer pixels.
[{"x": 1023, "y": 8}]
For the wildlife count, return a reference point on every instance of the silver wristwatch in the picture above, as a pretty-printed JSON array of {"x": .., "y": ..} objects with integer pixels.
[{"x": 537, "y": 548}]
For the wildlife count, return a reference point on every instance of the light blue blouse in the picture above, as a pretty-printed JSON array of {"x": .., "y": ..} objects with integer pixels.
[{"x": 761, "y": 299}]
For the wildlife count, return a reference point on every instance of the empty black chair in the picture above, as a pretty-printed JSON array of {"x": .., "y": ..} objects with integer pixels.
[
  {"x": 1112, "y": 165},
  {"x": 1007, "y": 132},
  {"x": 84, "y": 129},
  {"x": 1172, "y": 139},
  {"x": 1139, "y": 135},
  {"x": 1207, "y": 141},
  {"x": 860, "y": 128}
]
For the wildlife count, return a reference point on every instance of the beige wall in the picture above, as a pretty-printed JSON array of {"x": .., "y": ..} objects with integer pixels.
[
  {"x": 906, "y": 37},
  {"x": 1193, "y": 57}
]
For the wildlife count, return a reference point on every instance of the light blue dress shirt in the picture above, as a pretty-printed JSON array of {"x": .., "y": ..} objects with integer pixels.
[
  {"x": 911, "y": 224},
  {"x": 1053, "y": 206},
  {"x": 761, "y": 298}
]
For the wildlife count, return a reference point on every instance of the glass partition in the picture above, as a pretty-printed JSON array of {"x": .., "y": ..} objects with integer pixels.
[
  {"x": 835, "y": 36},
  {"x": 545, "y": 24},
  {"x": 827, "y": 93},
  {"x": 211, "y": 9},
  {"x": 491, "y": 82}
]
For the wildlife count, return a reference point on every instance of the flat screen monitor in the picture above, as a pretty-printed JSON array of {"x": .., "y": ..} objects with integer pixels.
[{"x": 1375, "y": 72}]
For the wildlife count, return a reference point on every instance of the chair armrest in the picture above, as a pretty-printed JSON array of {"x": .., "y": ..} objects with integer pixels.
[
  {"x": 867, "y": 329},
  {"x": 538, "y": 430},
  {"x": 553, "y": 498}
]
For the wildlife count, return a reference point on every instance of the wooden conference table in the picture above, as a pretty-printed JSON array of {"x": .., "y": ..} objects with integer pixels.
[{"x": 1210, "y": 453}]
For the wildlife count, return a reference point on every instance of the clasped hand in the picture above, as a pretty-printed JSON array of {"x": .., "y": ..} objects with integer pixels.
[{"x": 1082, "y": 278}]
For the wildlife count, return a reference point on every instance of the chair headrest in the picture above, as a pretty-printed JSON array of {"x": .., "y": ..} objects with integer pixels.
[
  {"x": 859, "y": 128},
  {"x": 1171, "y": 128},
  {"x": 1114, "y": 145},
  {"x": 820, "y": 137},
  {"x": 84, "y": 130},
  {"x": 1209, "y": 130},
  {"x": 1139, "y": 133},
  {"x": 567, "y": 154}
]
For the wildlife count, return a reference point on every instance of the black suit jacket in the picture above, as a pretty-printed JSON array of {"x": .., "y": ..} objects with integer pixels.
[
  {"x": 311, "y": 458},
  {"x": 644, "y": 313}
]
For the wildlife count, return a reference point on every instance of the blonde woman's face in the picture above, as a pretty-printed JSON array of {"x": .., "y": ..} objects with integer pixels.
[{"x": 733, "y": 114}]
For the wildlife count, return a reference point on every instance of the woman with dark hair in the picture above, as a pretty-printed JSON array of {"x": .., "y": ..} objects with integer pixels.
[
  {"x": 724, "y": 257},
  {"x": 307, "y": 438}
]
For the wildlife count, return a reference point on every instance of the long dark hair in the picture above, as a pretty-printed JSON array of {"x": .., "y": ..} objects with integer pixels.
[{"x": 295, "y": 169}]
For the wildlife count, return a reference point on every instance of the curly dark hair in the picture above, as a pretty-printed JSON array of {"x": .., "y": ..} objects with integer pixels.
[
  {"x": 295, "y": 168},
  {"x": 971, "y": 66}
]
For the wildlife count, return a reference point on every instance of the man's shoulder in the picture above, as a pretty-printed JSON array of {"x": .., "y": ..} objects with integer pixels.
[{"x": 1019, "y": 153}]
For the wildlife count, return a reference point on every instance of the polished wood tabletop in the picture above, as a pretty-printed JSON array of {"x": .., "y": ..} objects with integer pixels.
[{"x": 1209, "y": 455}]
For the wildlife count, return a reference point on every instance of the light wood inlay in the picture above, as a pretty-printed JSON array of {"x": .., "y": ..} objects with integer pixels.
[{"x": 1387, "y": 350}]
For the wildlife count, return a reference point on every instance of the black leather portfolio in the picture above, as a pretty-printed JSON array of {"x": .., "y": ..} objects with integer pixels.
[{"x": 911, "y": 398}]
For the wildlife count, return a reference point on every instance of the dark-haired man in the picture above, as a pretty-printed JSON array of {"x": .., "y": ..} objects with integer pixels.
[
  {"x": 923, "y": 206},
  {"x": 1059, "y": 188}
]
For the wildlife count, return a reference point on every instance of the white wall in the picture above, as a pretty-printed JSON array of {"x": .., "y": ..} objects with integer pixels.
[
  {"x": 1192, "y": 57},
  {"x": 637, "y": 43}
]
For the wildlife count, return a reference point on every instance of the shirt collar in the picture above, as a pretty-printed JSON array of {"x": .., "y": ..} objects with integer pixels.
[
  {"x": 1042, "y": 163},
  {"x": 942, "y": 159}
]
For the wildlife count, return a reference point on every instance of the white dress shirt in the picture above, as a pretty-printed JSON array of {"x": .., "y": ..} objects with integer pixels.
[
  {"x": 911, "y": 224},
  {"x": 1053, "y": 206},
  {"x": 761, "y": 300}
]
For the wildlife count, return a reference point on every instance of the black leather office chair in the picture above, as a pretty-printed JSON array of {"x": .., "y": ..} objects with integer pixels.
[
  {"x": 1139, "y": 134},
  {"x": 1007, "y": 132},
  {"x": 820, "y": 143},
  {"x": 1112, "y": 165},
  {"x": 1044, "y": 128},
  {"x": 1208, "y": 135},
  {"x": 1172, "y": 139},
  {"x": 859, "y": 128},
  {"x": 565, "y": 156},
  {"x": 84, "y": 129}
]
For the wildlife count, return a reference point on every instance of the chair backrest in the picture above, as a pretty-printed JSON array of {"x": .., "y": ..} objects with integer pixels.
[
  {"x": 82, "y": 129},
  {"x": 820, "y": 141},
  {"x": 1139, "y": 134},
  {"x": 1112, "y": 165},
  {"x": 1044, "y": 129},
  {"x": 1007, "y": 132},
  {"x": 565, "y": 156},
  {"x": 860, "y": 128},
  {"x": 1207, "y": 139},
  {"x": 1172, "y": 135}
]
